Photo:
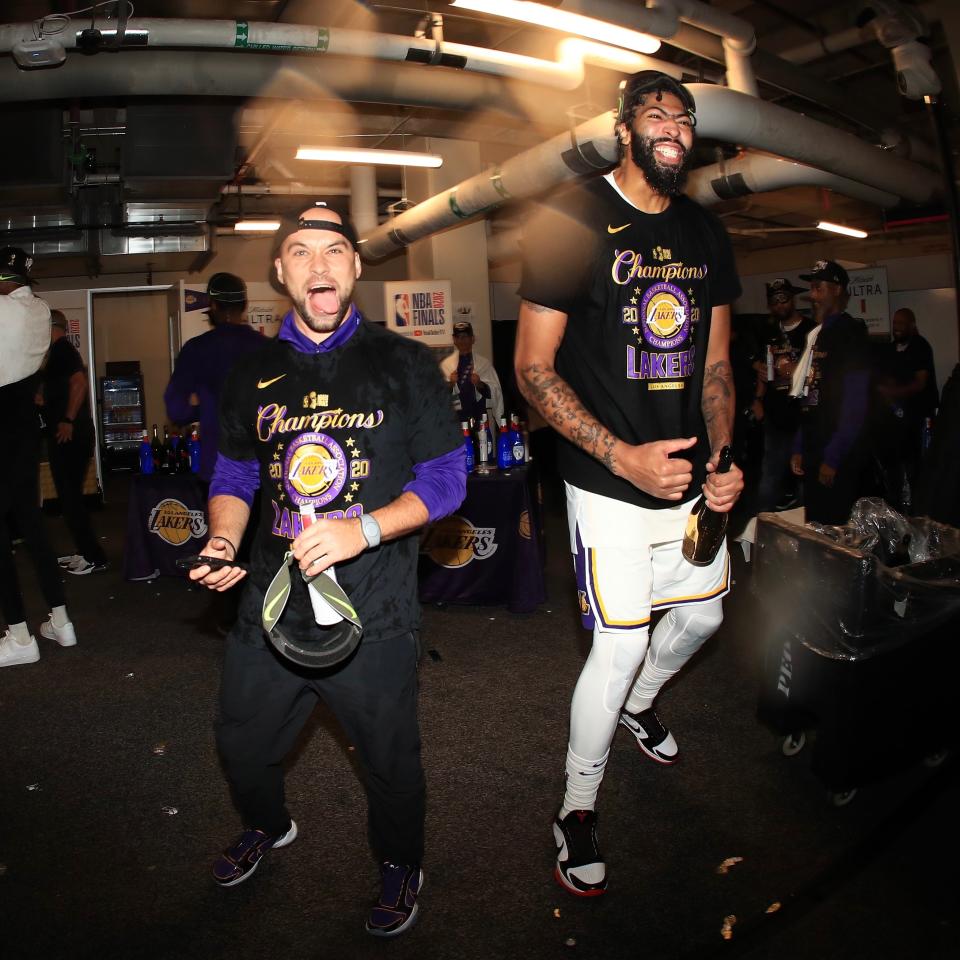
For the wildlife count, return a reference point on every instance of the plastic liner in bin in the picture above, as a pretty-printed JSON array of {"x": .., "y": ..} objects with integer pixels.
[{"x": 870, "y": 586}]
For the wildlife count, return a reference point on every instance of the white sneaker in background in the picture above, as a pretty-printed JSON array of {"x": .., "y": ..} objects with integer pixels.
[
  {"x": 12, "y": 653},
  {"x": 66, "y": 636}
]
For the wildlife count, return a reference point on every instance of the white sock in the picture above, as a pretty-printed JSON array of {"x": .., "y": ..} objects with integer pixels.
[
  {"x": 583, "y": 782},
  {"x": 59, "y": 616},
  {"x": 21, "y": 633}
]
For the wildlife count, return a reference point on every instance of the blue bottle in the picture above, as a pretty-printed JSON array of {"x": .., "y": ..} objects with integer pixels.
[
  {"x": 516, "y": 441},
  {"x": 146, "y": 454},
  {"x": 193, "y": 446},
  {"x": 504, "y": 447}
]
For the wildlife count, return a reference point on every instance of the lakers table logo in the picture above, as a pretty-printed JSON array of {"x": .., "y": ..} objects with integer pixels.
[
  {"x": 454, "y": 542},
  {"x": 174, "y": 523}
]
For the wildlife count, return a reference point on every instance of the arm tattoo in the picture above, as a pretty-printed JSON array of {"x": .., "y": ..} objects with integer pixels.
[
  {"x": 562, "y": 409},
  {"x": 535, "y": 307},
  {"x": 717, "y": 403}
]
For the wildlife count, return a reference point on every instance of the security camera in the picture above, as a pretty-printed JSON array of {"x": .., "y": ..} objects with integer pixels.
[{"x": 916, "y": 79}]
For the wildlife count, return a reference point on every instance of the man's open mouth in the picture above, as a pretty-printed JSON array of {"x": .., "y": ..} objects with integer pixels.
[
  {"x": 323, "y": 298},
  {"x": 669, "y": 152}
]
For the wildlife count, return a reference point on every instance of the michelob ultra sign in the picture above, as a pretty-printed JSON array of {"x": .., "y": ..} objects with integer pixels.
[{"x": 420, "y": 308}]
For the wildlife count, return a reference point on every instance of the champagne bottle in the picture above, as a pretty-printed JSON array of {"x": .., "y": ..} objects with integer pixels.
[
  {"x": 467, "y": 445},
  {"x": 146, "y": 454},
  {"x": 157, "y": 447},
  {"x": 504, "y": 446},
  {"x": 706, "y": 528}
]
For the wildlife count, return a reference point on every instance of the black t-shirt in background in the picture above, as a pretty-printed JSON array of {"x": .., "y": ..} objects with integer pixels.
[
  {"x": 63, "y": 361},
  {"x": 638, "y": 290}
]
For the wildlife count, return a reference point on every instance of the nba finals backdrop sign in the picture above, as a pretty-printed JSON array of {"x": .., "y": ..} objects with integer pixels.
[{"x": 420, "y": 308}]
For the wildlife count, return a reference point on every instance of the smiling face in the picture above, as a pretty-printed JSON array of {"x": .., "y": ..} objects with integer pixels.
[
  {"x": 319, "y": 268},
  {"x": 660, "y": 138}
]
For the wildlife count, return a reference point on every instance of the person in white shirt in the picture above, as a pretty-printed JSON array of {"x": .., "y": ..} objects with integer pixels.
[
  {"x": 24, "y": 337},
  {"x": 476, "y": 386}
]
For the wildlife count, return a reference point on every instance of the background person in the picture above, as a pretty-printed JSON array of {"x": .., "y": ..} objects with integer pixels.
[
  {"x": 24, "y": 329},
  {"x": 70, "y": 441},
  {"x": 475, "y": 382},
  {"x": 832, "y": 380}
]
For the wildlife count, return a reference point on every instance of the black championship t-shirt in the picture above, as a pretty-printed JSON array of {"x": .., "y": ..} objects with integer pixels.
[
  {"x": 638, "y": 290},
  {"x": 340, "y": 431}
]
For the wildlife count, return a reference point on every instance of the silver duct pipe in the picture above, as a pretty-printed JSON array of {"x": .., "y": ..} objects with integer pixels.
[
  {"x": 760, "y": 173},
  {"x": 736, "y": 118},
  {"x": 589, "y": 147},
  {"x": 722, "y": 114}
]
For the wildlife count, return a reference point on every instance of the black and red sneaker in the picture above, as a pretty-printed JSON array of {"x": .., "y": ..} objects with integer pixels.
[
  {"x": 653, "y": 738},
  {"x": 580, "y": 865},
  {"x": 239, "y": 860}
]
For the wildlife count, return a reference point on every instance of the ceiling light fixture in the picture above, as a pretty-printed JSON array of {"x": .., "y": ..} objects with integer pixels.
[
  {"x": 396, "y": 158},
  {"x": 543, "y": 16},
  {"x": 257, "y": 226},
  {"x": 838, "y": 228}
]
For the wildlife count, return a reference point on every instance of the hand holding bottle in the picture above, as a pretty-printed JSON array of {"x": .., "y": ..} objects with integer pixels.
[{"x": 722, "y": 488}]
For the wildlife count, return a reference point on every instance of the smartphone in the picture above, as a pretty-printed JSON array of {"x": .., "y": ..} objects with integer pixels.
[{"x": 214, "y": 563}]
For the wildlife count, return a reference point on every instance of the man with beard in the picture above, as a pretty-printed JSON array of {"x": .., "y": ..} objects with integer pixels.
[
  {"x": 832, "y": 380},
  {"x": 623, "y": 347},
  {"x": 347, "y": 428}
]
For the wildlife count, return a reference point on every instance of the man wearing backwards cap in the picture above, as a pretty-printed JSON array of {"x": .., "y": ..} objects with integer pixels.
[
  {"x": 204, "y": 362},
  {"x": 832, "y": 381},
  {"x": 344, "y": 420},
  {"x": 783, "y": 345},
  {"x": 623, "y": 347}
]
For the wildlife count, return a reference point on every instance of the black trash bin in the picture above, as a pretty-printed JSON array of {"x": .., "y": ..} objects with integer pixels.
[{"x": 864, "y": 653}]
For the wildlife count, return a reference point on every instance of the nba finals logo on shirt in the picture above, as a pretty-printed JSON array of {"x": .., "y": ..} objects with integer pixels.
[
  {"x": 454, "y": 542},
  {"x": 315, "y": 469},
  {"x": 173, "y": 522}
]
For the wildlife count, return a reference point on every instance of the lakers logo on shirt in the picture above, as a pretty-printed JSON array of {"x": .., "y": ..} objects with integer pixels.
[
  {"x": 665, "y": 312},
  {"x": 315, "y": 469}
]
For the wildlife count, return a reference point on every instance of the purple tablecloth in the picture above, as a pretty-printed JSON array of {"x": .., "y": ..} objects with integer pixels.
[
  {"x": 490, "y": 551},
  {"x": 166, "y": 519}
]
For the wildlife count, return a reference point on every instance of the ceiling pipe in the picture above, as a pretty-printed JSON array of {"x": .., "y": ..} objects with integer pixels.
[
  {"x": 722, "y": 114},
  {"x": 846, "y": 39},
  {"x": 760, "y": 173},
  {"x": 319, "y": 191},
  {"x": 241, "y": 35}
]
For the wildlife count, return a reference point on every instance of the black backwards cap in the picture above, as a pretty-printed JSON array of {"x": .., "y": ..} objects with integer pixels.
[
  {"x": 226, "y": 288},
  {"x": 15, "y": 265},
  {"x": 291, "y": 224},
  {"x": 647, "y": 81}
]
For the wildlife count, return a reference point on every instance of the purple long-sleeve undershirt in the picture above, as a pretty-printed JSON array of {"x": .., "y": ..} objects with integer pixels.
[{"x": 856, "y": 395}]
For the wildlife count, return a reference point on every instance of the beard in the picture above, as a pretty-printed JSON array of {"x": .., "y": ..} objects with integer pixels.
[{"x": 663, "y": 180}]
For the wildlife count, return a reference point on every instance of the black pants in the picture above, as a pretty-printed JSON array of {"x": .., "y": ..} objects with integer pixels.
[
  {"x": 19, "y": 494},
  {"x": 264, "y": 704},
  {"x": 68, "y": 464},
  {"x": 830, "y": 505}
]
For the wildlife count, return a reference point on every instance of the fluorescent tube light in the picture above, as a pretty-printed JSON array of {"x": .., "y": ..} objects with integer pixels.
[
  {"x": 846, "y": 231},
  {"x": 257, "y": 226},
  {"x": 543, "y": 16},
  {"x": 397, "y": 158}
]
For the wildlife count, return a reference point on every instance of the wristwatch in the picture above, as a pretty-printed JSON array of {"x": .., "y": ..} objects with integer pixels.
[{"x": 370, "y": 529}]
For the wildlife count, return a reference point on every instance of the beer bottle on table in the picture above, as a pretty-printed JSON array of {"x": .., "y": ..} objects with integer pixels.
[
  {"x": 157, "y": 447},
  {"x": 504, "y": 447},
  {"x": 705, "y": 527},
  {"x": 146, "y": 454},
  {"x": 488, "y": 436},
  {"x": 169, "y": 454},
  {"x": 467, "y": 445}
]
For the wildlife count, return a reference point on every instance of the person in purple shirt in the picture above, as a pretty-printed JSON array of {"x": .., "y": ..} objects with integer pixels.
[
  {"x": 831, "y": 445},
  {"x": 346, "y": 429},
  {"x": 204, "y": 362}
]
